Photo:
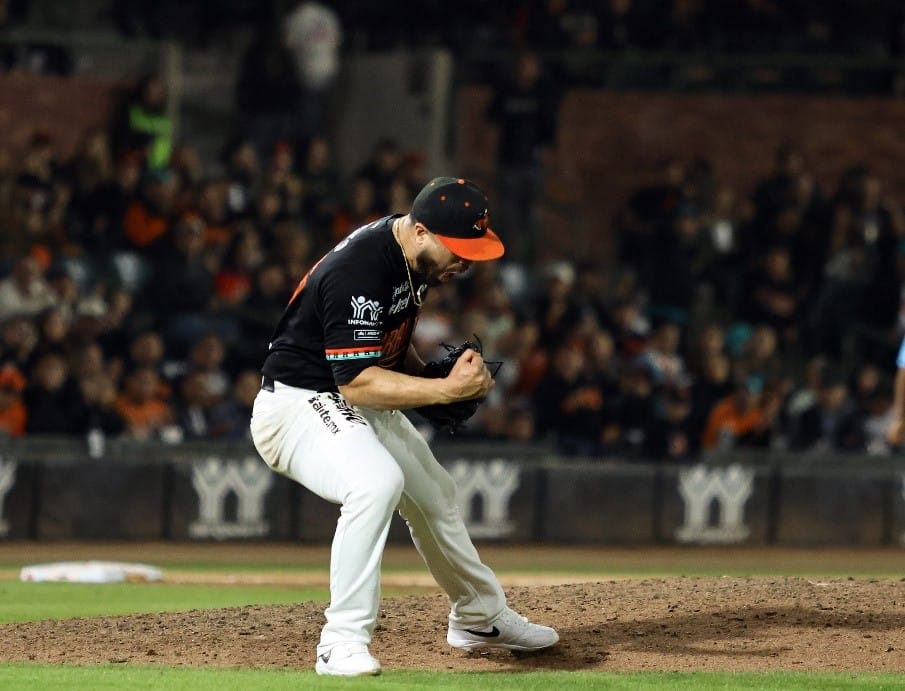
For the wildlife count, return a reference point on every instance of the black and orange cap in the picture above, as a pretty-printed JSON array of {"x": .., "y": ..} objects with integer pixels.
[{"x": 455, "y": 210}]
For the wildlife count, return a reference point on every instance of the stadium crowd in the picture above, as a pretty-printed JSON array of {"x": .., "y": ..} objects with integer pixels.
[
  {"x": 137, "y": 296},
  {"x": 138, "y": 288}
]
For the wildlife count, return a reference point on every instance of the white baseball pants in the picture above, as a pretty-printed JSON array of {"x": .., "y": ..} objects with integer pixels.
[{"x": 371, "y": 463}]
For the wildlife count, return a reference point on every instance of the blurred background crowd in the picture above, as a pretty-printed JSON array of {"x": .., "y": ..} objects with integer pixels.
[{"x": 139, "y": 282}]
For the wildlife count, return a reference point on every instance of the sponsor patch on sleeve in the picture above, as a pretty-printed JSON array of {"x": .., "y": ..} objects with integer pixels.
[
  {"x": 367, "y": 335},
  {"x": 337, "y": 354}
]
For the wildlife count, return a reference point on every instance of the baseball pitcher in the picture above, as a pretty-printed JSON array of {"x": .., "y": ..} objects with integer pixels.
[{"x": 340, "y": 368}]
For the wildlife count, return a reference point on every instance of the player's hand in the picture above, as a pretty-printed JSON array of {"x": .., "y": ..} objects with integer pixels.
[{"x": 469, "y": 377}]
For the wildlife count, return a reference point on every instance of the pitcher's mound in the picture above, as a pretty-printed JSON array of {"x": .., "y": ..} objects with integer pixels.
[{"x": 669, "y": 624}]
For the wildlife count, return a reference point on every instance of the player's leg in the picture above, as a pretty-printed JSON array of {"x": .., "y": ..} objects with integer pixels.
[
  {"x": 479, "y": 616},
  {"x": 320, "y": 443}
]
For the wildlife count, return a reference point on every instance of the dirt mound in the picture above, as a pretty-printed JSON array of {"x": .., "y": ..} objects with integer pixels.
[{"x": 652, "y": 624}]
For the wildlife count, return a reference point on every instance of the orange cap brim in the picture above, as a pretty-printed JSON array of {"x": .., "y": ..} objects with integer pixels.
[{"x": 488, "y": 246}]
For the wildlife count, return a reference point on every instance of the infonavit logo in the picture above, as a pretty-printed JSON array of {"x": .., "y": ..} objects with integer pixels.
[{"x": 364, "y": 309}]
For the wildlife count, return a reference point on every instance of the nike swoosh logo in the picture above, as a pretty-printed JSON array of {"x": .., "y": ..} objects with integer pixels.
[
  {"x": 326, "y": 656},
  {"x": 493, "y": 633}
]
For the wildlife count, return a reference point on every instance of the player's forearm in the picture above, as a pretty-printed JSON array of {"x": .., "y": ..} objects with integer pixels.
[{"x": 383, "y": 389}]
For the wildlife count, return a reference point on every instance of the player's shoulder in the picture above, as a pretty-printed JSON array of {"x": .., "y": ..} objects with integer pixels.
[
  {"x": 364, "y": 254},
  {"x": 364, "y": 240}
]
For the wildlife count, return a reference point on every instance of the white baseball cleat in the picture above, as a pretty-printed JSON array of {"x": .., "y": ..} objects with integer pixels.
[
  {"x": 347, "y": 660},
  {"x": 509, "y": 631}
]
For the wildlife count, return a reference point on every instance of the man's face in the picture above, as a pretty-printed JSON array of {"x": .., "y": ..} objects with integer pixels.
[{"x": 435, "y": 263}]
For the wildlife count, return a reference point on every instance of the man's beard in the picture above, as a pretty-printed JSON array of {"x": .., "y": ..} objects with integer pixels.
[{"x": 427, "y": 270}]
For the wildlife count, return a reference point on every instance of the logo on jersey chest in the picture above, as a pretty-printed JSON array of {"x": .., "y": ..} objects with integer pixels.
[
  {"x": 365, "y": 312},
  {"x": 400, "y": 304}
]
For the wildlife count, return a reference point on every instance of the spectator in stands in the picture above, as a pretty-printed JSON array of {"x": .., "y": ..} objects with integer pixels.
[
  {"x": 294, "y": 247},
  {"x": 358, "y": 209},
  {"x": 186, "y": 165},
  {"x": 41, "y": 195},
  {"x": 871, "y": 394},
  {"x": 569, "y": 405},
  {"x": 147, "y": 351},
  {"x": 726, "y": 222},
  {"x": 740, "y": 419},
  {"x": 661, "y": 357},
  {"x": 635, "y": 410},
  {"x": 243, "y": 170},
  {"x": 210, "y": 206},
  {"x": 381, "y": 170},
  {"x": 774, "y": 296},
  {"x": 235, "y": 279},
  {"x": 25, "y": 292},
  {"x": 89, "y": 171},
  {"x": 268, "y": 91},
  {"x": 524, "y": 109},
  {"x": 13, "y": 414},
  {"x": 53, "y": 333},
  {"x": 834, "y": 424},
  {"x": 182, "y": 286},
  {"x": 50, "y": 396},
  {"x": 196, "y": 399},
  {"x": 669, "y": 433},
  {"x": 314, "y": 35},
  {"x": 712, "y": 384},
  {"x": 269, "y": 211},
  {"x": 207, "y": 358},
  {"x": 101, "y": 213},
  {"x": 281, "y": 176},
  {"x": 96, "y": 408},
  {"x": 681, "y": 261},
  {"x": 140, "y": 405},
  {"x": 778, "y": 189},
  {"x": 145, "y": 126},
  {"x": 229, "y": 418},
  {"x": 556, "y": 309},
  {"x": 844, "y": 278},
  {"x": 321, "y": 182},
  {"x": 147, "y": 219},
  {"x": 18, "y": 340},
  {"x": 644, "y": 214}
]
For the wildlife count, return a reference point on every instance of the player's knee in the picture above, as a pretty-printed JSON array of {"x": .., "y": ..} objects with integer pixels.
[{"x": 383, "y": 489}]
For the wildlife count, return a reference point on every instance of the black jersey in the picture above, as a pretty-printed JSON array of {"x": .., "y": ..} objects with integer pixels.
[{"x": 353, "y": 310}]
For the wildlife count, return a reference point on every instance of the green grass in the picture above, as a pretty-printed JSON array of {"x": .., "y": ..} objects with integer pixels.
[
  {"x": 30, "y": 677},
  {"x": 36, "y": 601}
]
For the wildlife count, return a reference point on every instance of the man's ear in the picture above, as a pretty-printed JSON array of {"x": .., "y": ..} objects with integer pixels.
[{"x": 421, "y": 233}]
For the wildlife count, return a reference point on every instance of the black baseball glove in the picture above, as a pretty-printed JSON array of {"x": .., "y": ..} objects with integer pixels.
[{"x": 451, "y": 417}]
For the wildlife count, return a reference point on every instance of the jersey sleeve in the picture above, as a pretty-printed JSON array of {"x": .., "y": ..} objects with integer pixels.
[{"x": 354, "y": 305}]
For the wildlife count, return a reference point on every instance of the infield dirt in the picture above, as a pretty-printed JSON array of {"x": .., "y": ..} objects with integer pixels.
[{"x": 680, "y": 623}]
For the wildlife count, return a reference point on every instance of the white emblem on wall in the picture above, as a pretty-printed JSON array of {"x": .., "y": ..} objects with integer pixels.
[
  {"x": 730, "y": 488},
  {"x": 493, "y": 483},
  {"x": 213, "y": 480},
  {"x": 365, "y": 310},
  {"x": 7, "y": 479}
]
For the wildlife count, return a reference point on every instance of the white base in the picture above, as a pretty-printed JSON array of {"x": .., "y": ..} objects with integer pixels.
[{"x": 89, "y": 572}]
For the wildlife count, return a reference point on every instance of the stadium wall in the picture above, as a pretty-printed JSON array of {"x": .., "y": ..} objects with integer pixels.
[{"x": 208, "y": 491}]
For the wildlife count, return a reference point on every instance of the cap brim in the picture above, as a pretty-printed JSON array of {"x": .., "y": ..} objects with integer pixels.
[{"x": 488, "y": 246}]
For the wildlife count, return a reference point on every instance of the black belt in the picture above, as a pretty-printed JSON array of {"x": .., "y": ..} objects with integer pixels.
[{"x": 267, "y": 384}]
